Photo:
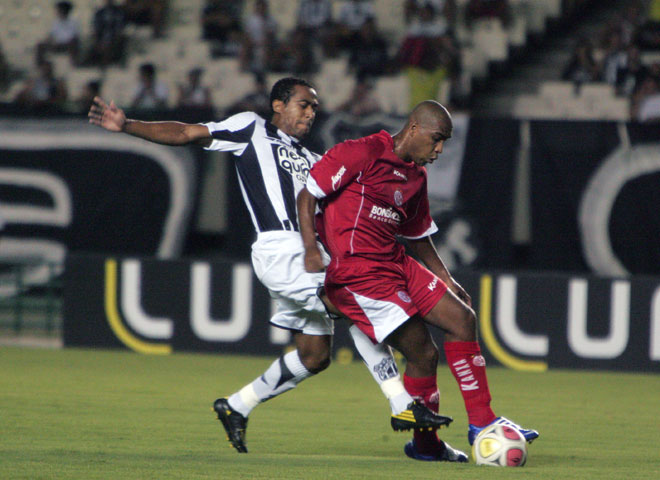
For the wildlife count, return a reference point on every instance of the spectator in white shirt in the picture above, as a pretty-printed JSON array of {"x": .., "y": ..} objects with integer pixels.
[
  {"x": 43, "y": 91},
  {"x": 352, "y": 16},
  {"x": 64, "y": 34},
  {"x": 645, "y": 105},
  {"x": 150, "y": 94},
  {"x": 649, "y": 110},
  {"x": 446, "y": 9},
  {"x": 616, "y": 57},
  {"x": 259, "y": 40},
  {"x": 354, "y": 13},
  {"x": 362, "y": 101},
  {"x": 315, "y": 22},
  {"x": 194, "y": 94},
  {"x": 314, "y": 14}
]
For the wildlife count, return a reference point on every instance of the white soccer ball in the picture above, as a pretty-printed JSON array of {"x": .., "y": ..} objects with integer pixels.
[{"x": 500, "y": 446}]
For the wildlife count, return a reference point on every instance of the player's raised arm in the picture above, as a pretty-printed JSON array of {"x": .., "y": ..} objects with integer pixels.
[
  {"x": 306, "y": 209},
  {"x": 113, "y": 118}
]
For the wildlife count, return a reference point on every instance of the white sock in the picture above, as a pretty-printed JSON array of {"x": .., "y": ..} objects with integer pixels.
[
  {"x": 283, "y": 374},
  {"x": 381, "y": 365}
]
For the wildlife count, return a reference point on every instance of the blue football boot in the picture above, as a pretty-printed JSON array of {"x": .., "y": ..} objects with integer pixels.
[{"x": 529, "y": 434}]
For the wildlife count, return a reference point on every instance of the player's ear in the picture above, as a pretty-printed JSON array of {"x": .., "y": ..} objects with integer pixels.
[{"x": 278, "y": 106}]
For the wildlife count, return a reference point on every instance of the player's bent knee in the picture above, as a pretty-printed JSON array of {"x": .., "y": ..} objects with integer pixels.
[
  {"x": 315, "y": 358},
  {"x": 468, "y": 329},
  {"x": 322, "y": 365},
  {"x": 431, "y": 354},
  {"x": 462, "y": 327},
  {"x": 315, "y": 363},
  {"x": 425, "y": 355},
  {"x": 314, "y": 351}
]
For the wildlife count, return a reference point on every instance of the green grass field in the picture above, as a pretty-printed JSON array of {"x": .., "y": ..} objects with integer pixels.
[{"x": 118, "y": 415}]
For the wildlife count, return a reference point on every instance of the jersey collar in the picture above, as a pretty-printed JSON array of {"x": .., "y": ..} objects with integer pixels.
[
  {"x": 273, "y": 131},
  {"x": 387, "y": 138}
]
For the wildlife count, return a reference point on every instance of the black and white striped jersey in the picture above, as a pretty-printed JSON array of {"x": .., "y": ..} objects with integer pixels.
[{"x": 272, "y": 168}]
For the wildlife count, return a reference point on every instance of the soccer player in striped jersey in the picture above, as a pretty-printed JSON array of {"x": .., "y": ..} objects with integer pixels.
[{"x": 272, "y": 168}]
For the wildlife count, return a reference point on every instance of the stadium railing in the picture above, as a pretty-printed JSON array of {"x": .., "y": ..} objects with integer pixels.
[{"x": 30, "y": 299}]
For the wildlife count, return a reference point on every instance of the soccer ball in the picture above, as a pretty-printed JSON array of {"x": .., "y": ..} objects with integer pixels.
[{"x": 500, "y": 446}]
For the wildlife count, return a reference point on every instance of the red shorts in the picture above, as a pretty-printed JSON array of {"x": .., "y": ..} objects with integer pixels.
[{"x": 380, "y": 296}]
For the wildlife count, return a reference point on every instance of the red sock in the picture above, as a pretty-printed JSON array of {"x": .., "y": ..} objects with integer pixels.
[
  {"x": 469, "y": 369},
  {"x": 426, "y": 390}
]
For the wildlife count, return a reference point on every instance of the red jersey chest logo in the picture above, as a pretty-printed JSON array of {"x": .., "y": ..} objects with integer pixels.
[
  {"x": 398, "y": 197},
  {"x": 390, "y": 186}
]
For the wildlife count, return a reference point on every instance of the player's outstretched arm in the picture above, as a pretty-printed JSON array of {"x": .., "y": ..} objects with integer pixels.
[
  {"x": 306, "y": 203},
  {"x": 425, "y": 250},
  {"x": 113, "y": 118}
]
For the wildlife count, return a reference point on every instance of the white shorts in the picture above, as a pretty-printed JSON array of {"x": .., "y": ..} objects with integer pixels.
[{"x": 278, "y": 261}]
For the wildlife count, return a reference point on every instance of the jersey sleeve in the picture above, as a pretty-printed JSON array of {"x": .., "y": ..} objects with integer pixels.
[
  {"x": 339, "y": 166},
  {"x": 232, "y": 134},
  {"x": 419, "y": 223}
]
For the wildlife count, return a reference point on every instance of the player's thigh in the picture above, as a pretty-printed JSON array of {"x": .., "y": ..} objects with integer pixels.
[
  {"x": 374, "y": 298},
  {"x": 453, "y": 316},
  {"x": 425, "y": 288},
  {"x": 281, "y": 269},
  {"x": 291, "y": 316},
  {"x": 415, "y": 343}
]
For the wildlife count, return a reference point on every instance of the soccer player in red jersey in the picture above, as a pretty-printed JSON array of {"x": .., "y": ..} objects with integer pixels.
[{"x": 372, "y": 190}]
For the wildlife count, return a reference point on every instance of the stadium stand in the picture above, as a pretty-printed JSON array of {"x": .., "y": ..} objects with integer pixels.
[
  {"x": 489, "y": 51},
  {"x": 562, "y": 100}
]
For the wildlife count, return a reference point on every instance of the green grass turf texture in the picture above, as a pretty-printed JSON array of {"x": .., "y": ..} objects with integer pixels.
[{"x": 118, "y": 415}]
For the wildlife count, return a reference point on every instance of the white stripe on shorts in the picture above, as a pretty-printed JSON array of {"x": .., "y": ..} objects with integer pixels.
[{"x": 385, "y": 317}]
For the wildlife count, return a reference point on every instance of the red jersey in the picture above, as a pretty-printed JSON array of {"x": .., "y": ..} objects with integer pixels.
[{"x": 370, "y": 196}]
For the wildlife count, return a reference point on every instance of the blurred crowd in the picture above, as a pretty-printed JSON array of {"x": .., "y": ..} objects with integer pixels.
[
  {"x": 42, "y": 89},
  {"x": 428, "y": 52},
  {"x": 615, "y": 57}
]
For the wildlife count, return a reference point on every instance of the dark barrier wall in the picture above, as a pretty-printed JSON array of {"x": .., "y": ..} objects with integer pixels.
[
  {"x": 485, "y": 192},
  {"x": 595, "y": 196},
  {"x": 527, "y": 321},
  {"x": 594, "y": 191},
  {"x": 67, "y": 186}
]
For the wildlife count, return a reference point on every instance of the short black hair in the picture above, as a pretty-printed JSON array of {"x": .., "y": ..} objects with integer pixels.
[
  {"x": 148, "y": 69},
  {"x": 283, "y": 89},
  {"x": 94, "y": 86},
  {"x": 64, "y": 7}
]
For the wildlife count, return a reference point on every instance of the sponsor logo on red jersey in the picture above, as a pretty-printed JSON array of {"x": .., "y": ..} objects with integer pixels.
[
  {"x": 336, "y": 178},
  {"x": 399, "y": 174},
  {"x": 386, "y": 215}
]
